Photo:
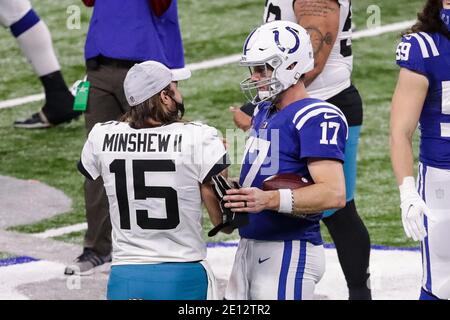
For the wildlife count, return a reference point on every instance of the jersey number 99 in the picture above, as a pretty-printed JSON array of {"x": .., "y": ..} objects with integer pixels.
[{"x": 402, "y": 52}]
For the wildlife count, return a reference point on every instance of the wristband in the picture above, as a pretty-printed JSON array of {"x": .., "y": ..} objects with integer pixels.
[{"x": 286, "y": 201}]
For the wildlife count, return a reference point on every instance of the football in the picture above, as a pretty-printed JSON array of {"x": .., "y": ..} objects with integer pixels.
[{"x": 286, "y": 181}]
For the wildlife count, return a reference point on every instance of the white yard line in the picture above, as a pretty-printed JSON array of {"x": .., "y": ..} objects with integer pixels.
[
  {"x": 19, "y": 101},
  {"x": 213, "y": 63},
  {"x": 51, "y": 233},
  {"x": 373, "y": 32}
]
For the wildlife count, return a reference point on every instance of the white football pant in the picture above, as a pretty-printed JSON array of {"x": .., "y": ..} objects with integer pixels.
[
  {"x": 275, "y": 270},
  {"x": 434, "y": 187}
]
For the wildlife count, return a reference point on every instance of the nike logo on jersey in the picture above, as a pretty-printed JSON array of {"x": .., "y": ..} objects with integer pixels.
[
  {"x": 329, "y": 116},
  {"x": 262, "y": 260}
]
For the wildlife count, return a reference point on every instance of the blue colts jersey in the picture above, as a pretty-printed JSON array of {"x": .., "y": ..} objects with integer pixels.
[
  {"x": 429, "y": 55},
  {"x": 281, "y": 142}
]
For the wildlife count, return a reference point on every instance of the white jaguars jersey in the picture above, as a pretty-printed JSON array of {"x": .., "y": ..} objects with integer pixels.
[
  {"x": 152, "y": 179},
  {"x": 336, "y": 75}
]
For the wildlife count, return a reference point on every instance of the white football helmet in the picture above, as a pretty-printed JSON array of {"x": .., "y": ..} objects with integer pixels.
[{"x": 284, "y": 46}]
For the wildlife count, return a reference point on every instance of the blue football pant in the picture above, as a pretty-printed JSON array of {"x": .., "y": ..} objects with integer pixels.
[{"x": 162, "y": 281}]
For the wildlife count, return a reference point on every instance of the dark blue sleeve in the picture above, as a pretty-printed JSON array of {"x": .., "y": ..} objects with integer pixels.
[
  {"x": 410, "y": 53},
  {"x": 323, "y": 136}
]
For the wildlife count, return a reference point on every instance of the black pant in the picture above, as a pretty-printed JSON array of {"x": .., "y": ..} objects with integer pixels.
[{"x": 352, "y": 242}]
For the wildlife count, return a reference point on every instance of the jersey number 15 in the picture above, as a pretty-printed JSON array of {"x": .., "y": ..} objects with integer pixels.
[{"x": 143, "y": 192}]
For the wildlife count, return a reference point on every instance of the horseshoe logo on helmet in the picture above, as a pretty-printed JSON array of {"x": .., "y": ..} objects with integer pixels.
[
  {"x": 247, "y": 41},
  {"x": 283, "y": 49}
]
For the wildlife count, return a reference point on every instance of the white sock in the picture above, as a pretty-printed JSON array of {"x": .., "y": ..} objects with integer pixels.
[{"x": 36, "y": 45}]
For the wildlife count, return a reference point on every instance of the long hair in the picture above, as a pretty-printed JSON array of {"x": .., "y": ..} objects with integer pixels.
[
  {"x": 153, "y": 109},
  {"x": 429, "y": 20}
]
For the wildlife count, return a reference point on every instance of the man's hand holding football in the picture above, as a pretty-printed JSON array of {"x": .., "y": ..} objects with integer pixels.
[{"x": 251, "y": 200}]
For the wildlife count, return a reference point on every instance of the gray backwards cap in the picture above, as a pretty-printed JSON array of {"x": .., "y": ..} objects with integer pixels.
[{"x": 146, "y": 79}]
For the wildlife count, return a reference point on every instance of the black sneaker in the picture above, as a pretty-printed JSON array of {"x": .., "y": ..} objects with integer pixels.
[
  {"x": 37, "y": 121},
  {"x": 56, "y": 110},
  {"x": 86, "y": 263}
]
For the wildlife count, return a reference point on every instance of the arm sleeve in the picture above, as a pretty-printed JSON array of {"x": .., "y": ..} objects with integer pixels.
[
  {"x": 214, "y": 157},
  {"x": 323, "y": 136},
  {"x": 411, "y": 52},
  {"x": 88, "y": 164}
]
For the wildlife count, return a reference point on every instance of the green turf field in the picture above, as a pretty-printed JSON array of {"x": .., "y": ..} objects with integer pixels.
[{"x": 210, "y": 29}]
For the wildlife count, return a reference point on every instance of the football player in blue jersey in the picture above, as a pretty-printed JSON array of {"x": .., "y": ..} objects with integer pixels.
[
  {"x": 422, "y": 96},
  {"x": 329, "y": 23},
  {"x": 280, "y": 254}
]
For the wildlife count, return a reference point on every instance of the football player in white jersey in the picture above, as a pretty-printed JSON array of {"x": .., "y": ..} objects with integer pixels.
[
  {"x": 35, "y": 41},
  {"x": 156, "y": 170},
  {"x": 422, "y": 96},
  {"x": 329, "y": 24}
]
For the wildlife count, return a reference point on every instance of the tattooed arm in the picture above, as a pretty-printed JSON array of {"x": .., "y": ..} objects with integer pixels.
[{"x": 321, "y": 19}]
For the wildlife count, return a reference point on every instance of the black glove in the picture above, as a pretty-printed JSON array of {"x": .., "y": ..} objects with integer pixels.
[{"x": 229, "y": 218}]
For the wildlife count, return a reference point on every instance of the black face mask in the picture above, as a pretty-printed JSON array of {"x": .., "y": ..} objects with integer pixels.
[{"x": 179, "y": 106}]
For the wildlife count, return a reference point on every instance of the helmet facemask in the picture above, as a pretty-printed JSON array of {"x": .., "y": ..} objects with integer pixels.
[{"x": 253, "y": 90}]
